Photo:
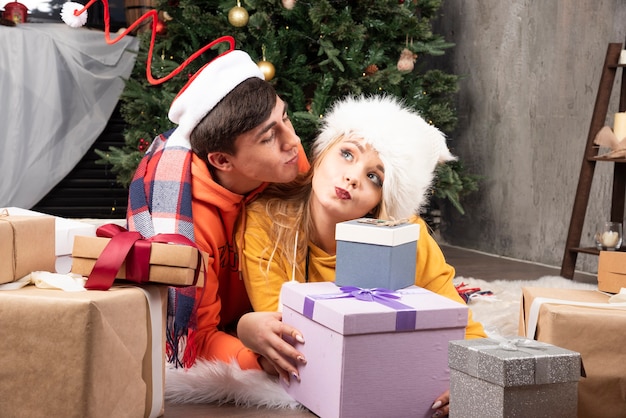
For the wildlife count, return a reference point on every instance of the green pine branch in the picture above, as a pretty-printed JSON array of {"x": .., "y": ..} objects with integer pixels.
[{"x": 322, "y": 50}]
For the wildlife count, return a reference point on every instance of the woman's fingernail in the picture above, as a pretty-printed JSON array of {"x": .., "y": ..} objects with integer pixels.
[
  {"x": 301, "y": 359},
  {"x": 436, "y": 405},
  {"x": 300, "y": 338},
  {"x": 295, "y": 376},
  {"x": 286, "y": 380}
]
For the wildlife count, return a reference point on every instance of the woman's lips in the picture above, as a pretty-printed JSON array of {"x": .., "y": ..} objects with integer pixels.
[{"x": 342, "y": 194}]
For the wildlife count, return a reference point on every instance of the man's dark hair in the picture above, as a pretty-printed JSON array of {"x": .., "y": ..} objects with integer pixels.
[{"x": 244, "y": 108}]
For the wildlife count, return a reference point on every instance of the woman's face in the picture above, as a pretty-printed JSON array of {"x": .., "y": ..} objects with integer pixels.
[{"x": 348, "y": 182}]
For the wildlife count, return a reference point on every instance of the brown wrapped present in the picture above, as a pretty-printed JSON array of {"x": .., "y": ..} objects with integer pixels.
[
  {"x": 583, "y": 321},
  {"x": 164, "y": 263},
  {"x": 26, "y": 245},
  {"x": 611, "y": 271},
  {"x": 82, "y": 354}
]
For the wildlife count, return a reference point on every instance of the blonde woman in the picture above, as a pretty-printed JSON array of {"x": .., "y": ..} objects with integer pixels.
[{"x": 373, "y": 158}]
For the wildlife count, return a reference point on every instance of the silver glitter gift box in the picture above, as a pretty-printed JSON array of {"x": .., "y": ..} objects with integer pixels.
[{"x": 513, "y": 378}]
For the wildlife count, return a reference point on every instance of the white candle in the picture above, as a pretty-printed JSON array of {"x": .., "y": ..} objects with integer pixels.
[
  {"x": 619, "y": 125},
  {"x": 610, "y": 238}
]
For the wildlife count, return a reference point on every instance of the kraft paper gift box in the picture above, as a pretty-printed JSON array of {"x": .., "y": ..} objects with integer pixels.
[
  {"x": 372, "y": 254},
  {"x": 518, "y": 378},
  {"x": 26, "y": 245},
  {"x": 583, "y": 321},
  {"x": 170, "y": 264},
  {"x": 611, "y": 271},
  {"x": 82, "y": 354},
  {"x": 65, "y": 231},
  {"x": 371, "y": 358}
]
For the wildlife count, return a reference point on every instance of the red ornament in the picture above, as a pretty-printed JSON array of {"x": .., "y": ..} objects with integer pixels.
[
  {"x": 15, "y": 12},
  {"x": 161, "y": 27},
  {"x": 143, "y": 145}
]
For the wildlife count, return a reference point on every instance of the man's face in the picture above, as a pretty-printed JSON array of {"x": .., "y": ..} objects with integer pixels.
[{"x": 267, "y": 153}]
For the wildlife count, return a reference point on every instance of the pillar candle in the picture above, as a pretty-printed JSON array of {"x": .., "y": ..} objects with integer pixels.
[{"x": 619, "y": 125}]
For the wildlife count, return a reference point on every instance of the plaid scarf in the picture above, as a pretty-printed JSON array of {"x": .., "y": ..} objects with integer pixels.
[{"x": 160, "y": 202}]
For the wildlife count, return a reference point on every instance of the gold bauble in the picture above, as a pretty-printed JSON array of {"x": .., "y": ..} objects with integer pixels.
[
  {"x": 238, "y": 16},
  {"x": 268, "y": 70}
]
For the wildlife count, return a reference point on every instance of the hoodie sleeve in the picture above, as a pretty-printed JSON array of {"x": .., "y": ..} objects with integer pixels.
[
  {"x": 433, "y": 273},
  {"x": 210, "y": 342},
  {"x": 263, "y": 282}
]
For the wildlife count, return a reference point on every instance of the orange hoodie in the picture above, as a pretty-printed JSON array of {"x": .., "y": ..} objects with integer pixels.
[{"x": 223, "y": 300}]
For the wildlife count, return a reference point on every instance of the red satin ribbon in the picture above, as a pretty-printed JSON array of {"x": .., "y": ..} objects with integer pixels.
[{"x": 132, "y": 247}]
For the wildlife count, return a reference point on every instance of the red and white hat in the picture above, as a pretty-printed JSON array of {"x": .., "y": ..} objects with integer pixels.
[{"x": 208, "y": 86}]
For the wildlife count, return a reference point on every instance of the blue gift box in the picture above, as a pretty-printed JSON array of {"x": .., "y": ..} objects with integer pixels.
[{"x": 373, "y": 253}]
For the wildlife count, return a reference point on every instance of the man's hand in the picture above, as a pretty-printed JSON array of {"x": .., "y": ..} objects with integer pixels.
[{"x": 262, "y": 332}]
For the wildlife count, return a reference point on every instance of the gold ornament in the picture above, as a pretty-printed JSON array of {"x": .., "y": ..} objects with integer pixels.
[
  {"x": 167, "y": 17},
  {"x": 407, "y": 59},
  {"x": 289, "y": 4},
  {"x": 238, "y": 16},
  {"x": 268, "y": 70}
]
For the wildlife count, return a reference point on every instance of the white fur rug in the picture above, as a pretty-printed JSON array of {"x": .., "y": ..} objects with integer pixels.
[{"x": 217, "y": 382}]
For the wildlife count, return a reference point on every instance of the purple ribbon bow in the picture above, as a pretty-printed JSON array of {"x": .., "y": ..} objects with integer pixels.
[{"x": 405, "y": 316}]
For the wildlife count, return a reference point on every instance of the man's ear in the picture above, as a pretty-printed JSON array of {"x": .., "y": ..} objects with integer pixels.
[{"x": 219, "y": 160}]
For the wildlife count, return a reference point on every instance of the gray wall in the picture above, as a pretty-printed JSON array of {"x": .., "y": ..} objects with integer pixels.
[{"x": 530, "y": 72}]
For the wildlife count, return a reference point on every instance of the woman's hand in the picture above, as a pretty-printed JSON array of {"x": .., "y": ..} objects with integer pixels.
[
  {"x": 442, "y": 405},
  {"x": 263, "y": 332}
]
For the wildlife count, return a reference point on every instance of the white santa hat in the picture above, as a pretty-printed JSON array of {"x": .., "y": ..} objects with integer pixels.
[
  {"x": 210, "y": 85},
  {"x": 408, "y": 146}
]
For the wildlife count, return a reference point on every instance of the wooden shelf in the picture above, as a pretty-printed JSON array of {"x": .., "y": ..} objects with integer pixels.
[
  {"x": 591, "y": 157},
  {"x": 609, "y": 160}
]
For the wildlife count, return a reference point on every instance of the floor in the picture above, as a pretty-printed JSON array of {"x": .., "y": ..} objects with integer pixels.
[{"x": 468, "y": 263}]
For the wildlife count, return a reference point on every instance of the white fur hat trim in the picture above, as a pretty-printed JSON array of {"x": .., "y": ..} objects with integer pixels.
[
  {"x": 214, "y": 81},
  {"x": 408, "y": 146}
]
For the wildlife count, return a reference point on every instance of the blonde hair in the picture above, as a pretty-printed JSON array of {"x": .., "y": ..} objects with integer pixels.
[{"x": 287, "y": 207}]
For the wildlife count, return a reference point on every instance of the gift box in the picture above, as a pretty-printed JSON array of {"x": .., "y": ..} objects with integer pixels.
[
  {"x": 517, "y": 378},
  {"x": 583, "y": 321},
  {"x": 82, "y": 354},
  {"x": 64, "y": 232},
  {"x": 26, "y": 245},
  {"x": 368, "y": 353},
  {"x": 374, "y": 253},
  {"x": 611, "y": 271},
  {"x": 170, "y": 264}
]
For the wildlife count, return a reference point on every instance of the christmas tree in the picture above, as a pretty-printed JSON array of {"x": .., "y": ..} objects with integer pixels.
[{"x": 313, "y": 52}]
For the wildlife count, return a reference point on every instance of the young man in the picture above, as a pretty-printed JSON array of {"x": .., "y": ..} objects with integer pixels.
[{"x": 233, "y": 138}]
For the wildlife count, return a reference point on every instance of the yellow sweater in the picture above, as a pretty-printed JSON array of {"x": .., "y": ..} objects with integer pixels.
[{"x": 263, "y": 285}]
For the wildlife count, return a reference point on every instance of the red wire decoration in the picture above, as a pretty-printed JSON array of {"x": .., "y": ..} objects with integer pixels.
[{"x": 153, "y": 14}]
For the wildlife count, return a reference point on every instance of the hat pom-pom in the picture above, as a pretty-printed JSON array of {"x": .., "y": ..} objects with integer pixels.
[{"x": 68, "y": 16}]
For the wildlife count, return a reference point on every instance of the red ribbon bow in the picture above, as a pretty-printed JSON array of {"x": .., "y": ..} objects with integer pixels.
[{"x": 132, "y": 247}]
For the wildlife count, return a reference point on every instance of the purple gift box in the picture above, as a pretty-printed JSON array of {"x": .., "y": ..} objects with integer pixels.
[
  {"x": 372, "y": 254},
  {"x": 371, "y": 352}
]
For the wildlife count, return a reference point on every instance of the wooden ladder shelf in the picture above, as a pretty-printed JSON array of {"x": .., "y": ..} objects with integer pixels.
[{"x": 572, "y": 245}]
